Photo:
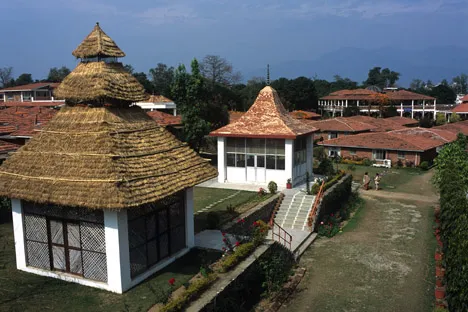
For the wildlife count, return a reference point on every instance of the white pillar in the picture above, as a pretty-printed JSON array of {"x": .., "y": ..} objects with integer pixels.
[
  {"x": 175, "y": 111},
  {"x": 117, "y": 250},
  {"x": 401, "y": 109},
  {"x": 424, "y": 107},
  {"x": 289, "y": 160},
  {"x": 18, "y": 231},
  {"x": 357, "y": 103},
  {"x": 310, "y": 154},
  {"x": 222, "y": 159},
  {"x": 435, "y": 109},
  {"x": 412, "y": 109},
  {"x": 21, "y": 94},
  {"x": 189, "y": 223},
  {"x": 346, "y": 103}
]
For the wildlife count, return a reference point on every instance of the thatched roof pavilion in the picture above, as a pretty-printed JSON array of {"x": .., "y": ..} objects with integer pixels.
[{"x": 102, "y": 192}]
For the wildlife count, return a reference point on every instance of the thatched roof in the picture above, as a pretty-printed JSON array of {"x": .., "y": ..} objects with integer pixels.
[
  {"x": 102, "y": 158},
  {"x": 98, "y": 44},
  {"x": 93, "y": 81}
]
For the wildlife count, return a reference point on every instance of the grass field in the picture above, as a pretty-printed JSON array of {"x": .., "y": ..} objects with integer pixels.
[{"x": 20, "y": 291}]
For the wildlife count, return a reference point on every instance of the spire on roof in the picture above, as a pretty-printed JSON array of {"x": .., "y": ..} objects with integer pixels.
[
  {"x": 98, "y": 44},
  {"x": 268, "y": 75}
]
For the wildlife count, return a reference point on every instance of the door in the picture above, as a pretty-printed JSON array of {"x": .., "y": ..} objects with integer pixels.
[
  {"x": 379, "y": 154},
  {"x": 255, "y": 168},
  {"x": 65, "y": 246}
]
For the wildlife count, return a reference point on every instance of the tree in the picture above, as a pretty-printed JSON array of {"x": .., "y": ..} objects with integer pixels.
[
  {"x": 416, "y": 84},
  {"x": 161, "y": 77},
  {"x": 382, "y": 100},
  {"x": 440, "y": 119},
  {"x": 351, "y": 111},
  {"x": 443, "y": 94},
  {"x": 24, "y": 79},
  {"x": 6, "y": 77},
  {"x": 143, "y": 80},
  {"x": 460, "y": 84},
  {"x": 426, "y": 122},
  {"x": 382, "y": 78},
  {"x": 444, "y": 82},
  {"x": 188, "y": 93},
  {"x": 129, "y": 68},
  {"x": 58, "y": 74},
  {"x": 454, "y": 117},
  {"x": 219, "y": 70},
  {"x": 390, "y": 111},
  {"x": 340, "y": 83}
]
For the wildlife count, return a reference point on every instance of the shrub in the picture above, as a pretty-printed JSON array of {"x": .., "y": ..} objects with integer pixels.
[
  {"x": 351, "y": 167},
  {"x": 424, "y": 165},
  {"x": 212, "y": 220},
  {"x": 399, "y": 163},
  {"x": 326, "y": 167},
  {"x": 409, "y": 164},
  {"x": 319, "y": 153},
  {"x": 239, "y": 254},
  {"x": 261, "y": 192},
  {"x": 272, "y": 187},
  {"x": 231, "y": 209},
  {"x": 367, "y": 162}
]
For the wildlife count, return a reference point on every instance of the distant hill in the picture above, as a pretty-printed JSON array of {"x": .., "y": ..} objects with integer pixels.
[{"x": 435, "y": 64}]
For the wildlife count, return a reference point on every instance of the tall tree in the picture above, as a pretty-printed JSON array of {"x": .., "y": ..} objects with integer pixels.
[
  {"x": 24, "y": 79},
  {"x": 341, "y": 83},
  {"x": 460, "y": 84},
  {"x": 58, "y": 74},
  {"x": 382, "y": 78},
  {"x": 6, "y": 77},
  {"x": 143, "y": 80},
  {"x": 219, "y": 70},
  {"x": 443, "y": 94},
  {"x": 416, "y": 84},
  {"x": 161, "y": 77}
]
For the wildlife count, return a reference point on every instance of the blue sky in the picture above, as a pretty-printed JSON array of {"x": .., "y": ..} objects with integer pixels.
[{"x": 37, "y": 35}]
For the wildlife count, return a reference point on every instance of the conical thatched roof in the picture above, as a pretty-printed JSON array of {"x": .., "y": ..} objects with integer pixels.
[
  {"x": 98, "y": 44},
  {"x": 102, "y": 157},
  {"x": 100, "y": 80},
  {"x": 266, "y": 118}
]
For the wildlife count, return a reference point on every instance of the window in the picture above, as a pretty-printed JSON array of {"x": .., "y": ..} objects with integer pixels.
[
  {"x": 352, "y": 152},
  {"x": 274, "y": 154},
  {"x": 379, "y": 154},
  {"x": 401, "y": 155},
  {"x": 332, "y": 135},
  {"x": 235, "y": 156},
  {"x": 155, "y": 232},
  {"x": 300, "y": 151},
  {"x": 334, "y": 152},
  {"x": 268, "y": 153}
]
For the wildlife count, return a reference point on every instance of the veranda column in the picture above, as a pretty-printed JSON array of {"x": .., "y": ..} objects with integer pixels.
[
  {"x": 18, "y": 231},
  {"x": 289, "y": 159},
  {"x": 412, "y": 109},
  {"x": 401, "y": 109},
  {"x": 189, "y": 223},
  {"x": 310, "y": 154},
  {"x": 435, "y": 109},
  {"x": 424, "y": 107},
  {"x": 117, "y": 250},
  {"x": 346, "y": 103},
  {"x": 221, "y": 159}
]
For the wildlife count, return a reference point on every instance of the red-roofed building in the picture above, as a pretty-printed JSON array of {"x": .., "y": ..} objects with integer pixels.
[
  {"x": 461, "y": 109},
  {"x": 367, "y": 101},
  {"x": 410, "y": 146},
  {"x": 35, "y": 94},
  {"x": 456, "y": 127},
  {"x": 300, "y": 114},
  {"x": 160, "y": 103},
  {"x": 265, "y": 144},
  {"x": 5, "y": 148}
]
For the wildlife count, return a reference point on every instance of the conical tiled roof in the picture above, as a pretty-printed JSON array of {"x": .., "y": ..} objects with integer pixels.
[
  {"x": 266, "y": 118},
  {"x": 102, "y": 157},
  {"x": 99, "y": 80},
  {"x": 98, "y": 43}
]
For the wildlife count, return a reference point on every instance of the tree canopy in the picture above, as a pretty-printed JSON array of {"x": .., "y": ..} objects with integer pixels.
[
  {"x": 218, "y": 70},
  {"x": 24, "y": 79},
  {"x": 381, "y": 78},
  {"x": 57, "y": 74}
]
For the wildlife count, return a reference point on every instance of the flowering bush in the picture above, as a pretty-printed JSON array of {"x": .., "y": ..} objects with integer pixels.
[
  {"x": 171, "y": 281},
  {"x": 272, "y": 187},
  {"x": 261, "y": 192}
]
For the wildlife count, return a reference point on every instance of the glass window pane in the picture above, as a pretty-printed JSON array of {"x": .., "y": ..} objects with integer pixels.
[
  {"x": 136, "y": 232},
  {"x": 231, "y": 160},
  {"x": 260, "y": 161},
  {"x": 163, "y": 220},
  {"x": 231, "y": 145},
  {"x": 270, "y": 162},
  {"x": 151, "y": 226},
  {"x": 280, "y": 163},
  {"x": 250, "y": 160},
  {"x": 152, "y": 252},
  {"x": 271, "y": 146},
  {"x": 280, "y": 147},
  {"x": 240, "y": 160},
  {"x": 58, "y": 255},
  {"x": 240, "y": 145}
]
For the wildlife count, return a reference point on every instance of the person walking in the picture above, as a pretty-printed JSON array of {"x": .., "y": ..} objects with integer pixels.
[
  {"x": 377, "y": 181},
  {"x": 366, "y": 181}
]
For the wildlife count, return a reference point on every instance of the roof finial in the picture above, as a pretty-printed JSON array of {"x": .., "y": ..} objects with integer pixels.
[
  {"x": 268, "y": 75},
  {"x": 97, "y": 23}
]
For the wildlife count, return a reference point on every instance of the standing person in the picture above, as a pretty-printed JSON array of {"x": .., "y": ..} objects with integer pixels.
[
  {"x": 377, "y": 181},
  {"x": 366, "y": 181}
]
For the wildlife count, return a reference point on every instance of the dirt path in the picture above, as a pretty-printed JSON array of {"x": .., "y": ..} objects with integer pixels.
[{"x": 382, "y": 264}]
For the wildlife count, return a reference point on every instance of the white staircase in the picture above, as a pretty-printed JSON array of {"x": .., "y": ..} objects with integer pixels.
[{"x": 294, "y": 211}]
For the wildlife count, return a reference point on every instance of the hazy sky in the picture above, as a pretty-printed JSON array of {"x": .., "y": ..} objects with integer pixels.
[{"x": 37, "y": 35}]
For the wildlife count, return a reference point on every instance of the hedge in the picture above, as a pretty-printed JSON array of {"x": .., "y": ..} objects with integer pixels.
[{"x": 334, "y": 198}]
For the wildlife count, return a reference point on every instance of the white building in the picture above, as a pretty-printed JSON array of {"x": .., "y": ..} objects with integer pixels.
[
  {"x": 160, "y": 103},
  {"x": 265, "y": 144}
]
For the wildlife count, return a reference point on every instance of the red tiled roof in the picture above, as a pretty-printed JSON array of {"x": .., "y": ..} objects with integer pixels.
[
  {"x": 32, "y": 104},
  {"x": 300, "y": 114},
  {"x": 22, "y": 121},
  {"x": 379, "y": 124},
  {"x": 164, "y": 119},
  {"x": 410, "y": 139},
  {"x": 234, "y": 116},
  {"x": 31, "y": 86},
  {"x": 266, "y": 118},
  {"x": 465, "y": 98},
  {"x": 342, "y": 124},
  {"x": 364, "y": 94},
  {"x": 404, "y": 95},
  {"x": 456, "y": 127},
  {"x": 6, "y": 147},
  {"x": 461, "y": 108},
  {"x": 403, "y": 121}
]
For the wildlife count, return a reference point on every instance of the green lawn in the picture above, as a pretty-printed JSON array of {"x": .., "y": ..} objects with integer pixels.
[
  {"x": 241, "y": 202},
  {"x": 20, "y": 291},
  {"x": 392, "y": 180}
]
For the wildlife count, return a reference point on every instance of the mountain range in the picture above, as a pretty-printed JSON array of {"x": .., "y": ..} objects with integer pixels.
[{"x": 432, "y": 64}]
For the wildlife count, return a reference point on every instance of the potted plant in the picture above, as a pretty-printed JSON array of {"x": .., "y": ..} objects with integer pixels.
[{"x": 288, "y": 184}]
